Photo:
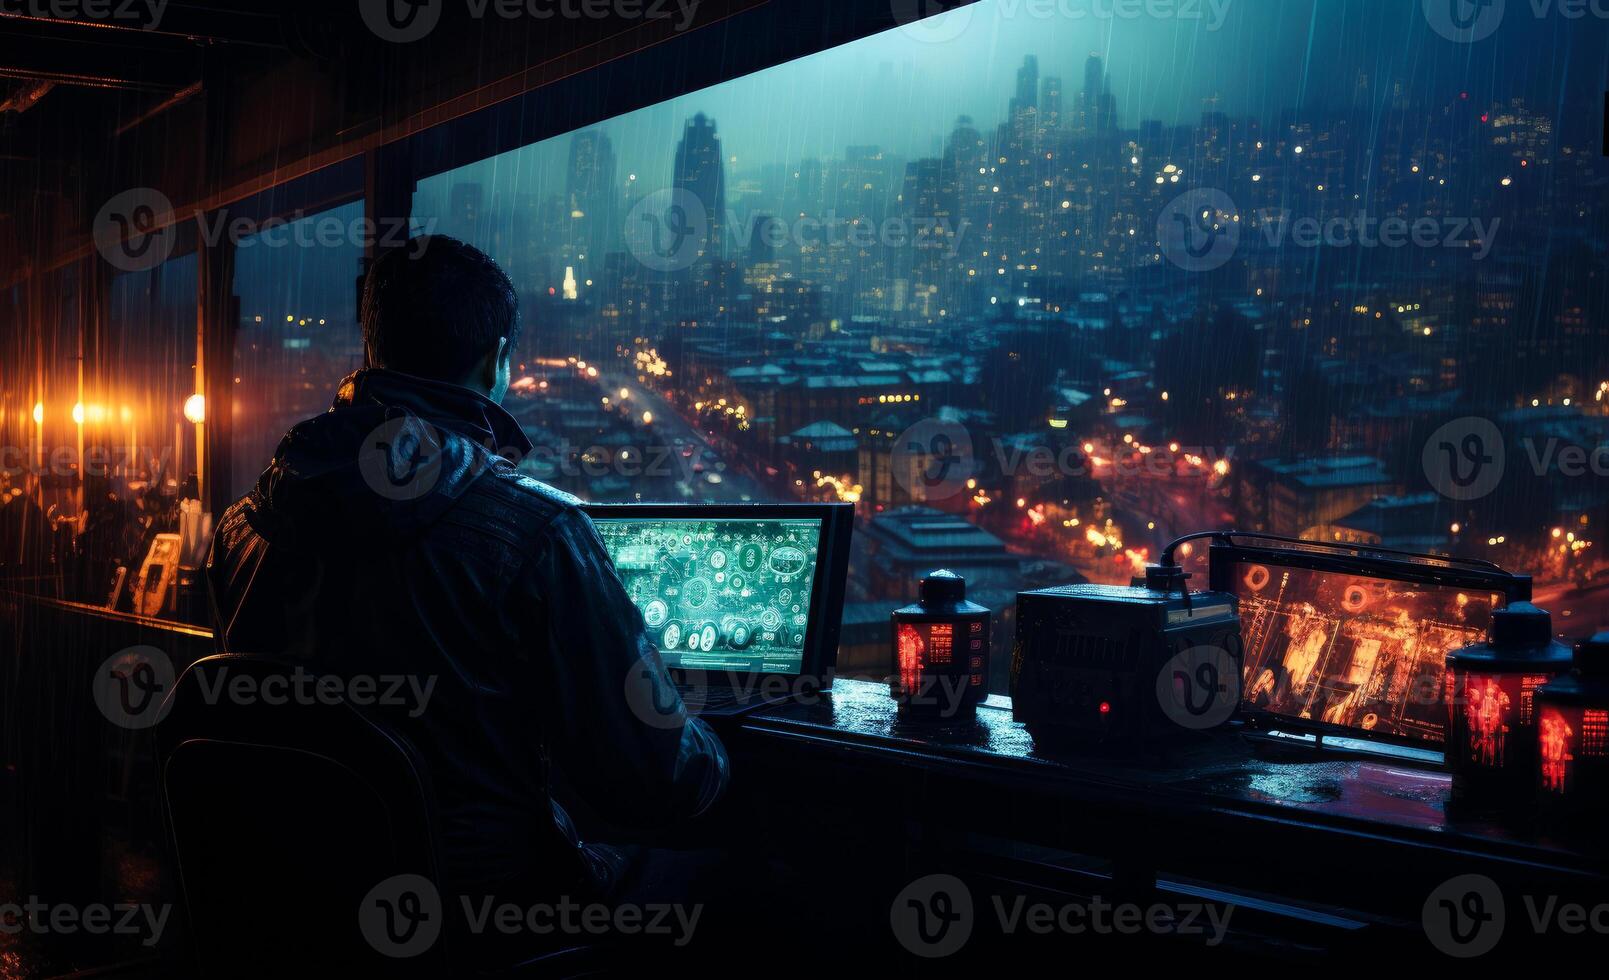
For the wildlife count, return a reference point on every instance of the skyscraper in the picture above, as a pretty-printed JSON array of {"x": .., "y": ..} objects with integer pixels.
[
  {"x": 1050, "y": 102},
  {"x": 1027, "y": 84},
  {"x": 1097, "y": 106},
  {"x": 590, "y": 197},
  {"x": 699, "y": 170}
]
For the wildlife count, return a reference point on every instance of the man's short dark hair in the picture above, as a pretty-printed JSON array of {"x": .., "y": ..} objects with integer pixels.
[{"x": 435, "y": 307}]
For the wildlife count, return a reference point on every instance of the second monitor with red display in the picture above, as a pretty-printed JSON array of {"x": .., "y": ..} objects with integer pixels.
[{"x": 1354, "y": 640}]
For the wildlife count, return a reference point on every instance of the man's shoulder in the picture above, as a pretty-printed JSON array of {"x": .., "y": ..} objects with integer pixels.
[{"x": 507, "y": 497}]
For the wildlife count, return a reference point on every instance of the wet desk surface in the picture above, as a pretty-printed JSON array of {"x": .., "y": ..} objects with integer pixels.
[{"x": 1224, "y": 772}]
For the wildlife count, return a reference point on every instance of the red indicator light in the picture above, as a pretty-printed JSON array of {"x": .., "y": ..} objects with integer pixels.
[{"x": 1106, "y": 707}]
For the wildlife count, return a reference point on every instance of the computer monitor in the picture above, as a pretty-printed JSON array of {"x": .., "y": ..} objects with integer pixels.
[
  {"x": 734, "y": 588},
  {"x": 1349, "y": 640}
]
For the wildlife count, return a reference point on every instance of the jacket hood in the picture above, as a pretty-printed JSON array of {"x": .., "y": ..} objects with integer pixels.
[{"x": 393, "y": 454}]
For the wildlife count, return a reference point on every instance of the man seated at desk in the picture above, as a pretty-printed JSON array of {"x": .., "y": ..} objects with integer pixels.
[{"x": 393, "y": 536}]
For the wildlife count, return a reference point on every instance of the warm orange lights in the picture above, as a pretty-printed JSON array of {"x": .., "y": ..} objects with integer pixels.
[
  {"x": 39, "y": 413},
  {"x": 195, "y": 408}
]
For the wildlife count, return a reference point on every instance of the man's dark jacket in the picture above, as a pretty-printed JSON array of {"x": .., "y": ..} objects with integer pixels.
[{"x": 392, "y": 536}]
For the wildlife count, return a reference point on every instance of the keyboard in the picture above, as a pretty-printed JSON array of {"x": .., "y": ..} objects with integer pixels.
[{"x": 703, "y": 700}]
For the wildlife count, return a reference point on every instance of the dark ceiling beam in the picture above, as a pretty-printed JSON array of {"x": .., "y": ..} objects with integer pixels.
[
  {"x": 97, "y": 61},
  {"x": 195, "y": 23},
  {"x": 21, "y": 96}
]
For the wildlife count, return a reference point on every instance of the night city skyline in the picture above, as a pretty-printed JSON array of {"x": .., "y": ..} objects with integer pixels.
[{"x": 1411, "y": 260}]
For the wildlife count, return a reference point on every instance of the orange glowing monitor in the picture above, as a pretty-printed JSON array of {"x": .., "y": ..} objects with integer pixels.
[{"x": 1353, "y": 640}]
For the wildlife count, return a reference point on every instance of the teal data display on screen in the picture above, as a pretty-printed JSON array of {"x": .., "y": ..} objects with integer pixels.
[{"x": 729, "y": 595}]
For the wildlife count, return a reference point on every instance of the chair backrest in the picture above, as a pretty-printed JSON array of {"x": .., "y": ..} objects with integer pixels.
[{"x": 304, "y": 829}]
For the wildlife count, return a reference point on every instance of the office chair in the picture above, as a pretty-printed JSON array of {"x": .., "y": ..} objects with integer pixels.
[{"x": 305, "y": 836}]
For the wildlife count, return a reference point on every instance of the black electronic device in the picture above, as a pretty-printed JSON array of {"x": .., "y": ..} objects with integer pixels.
[
  {"x": 1346, "y": 644},
  {"x": 1125, "y": 664},
  {"x": 744, "y": 601}
]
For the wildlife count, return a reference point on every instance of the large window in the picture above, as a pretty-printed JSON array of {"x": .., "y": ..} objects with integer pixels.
[
  {"x": 298, "y": 335},
  {"x": 1040, "y": 286}
]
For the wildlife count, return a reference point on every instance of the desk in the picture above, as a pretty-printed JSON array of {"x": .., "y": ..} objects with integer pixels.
[{"x": 1325, "y": 851}]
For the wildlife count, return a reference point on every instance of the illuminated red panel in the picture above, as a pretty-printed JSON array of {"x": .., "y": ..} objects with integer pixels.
[
  {"x": 1491, "y": 712},
  {"x": 911, "y": 650},
  {"x": 1567, "y": 735},
  {"x": 1556, "y": 741}
]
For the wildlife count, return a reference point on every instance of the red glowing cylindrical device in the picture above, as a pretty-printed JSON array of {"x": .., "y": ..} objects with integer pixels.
[
  {"x": 1573, "y": 736},
  {"x": 1491, "y": 689}
]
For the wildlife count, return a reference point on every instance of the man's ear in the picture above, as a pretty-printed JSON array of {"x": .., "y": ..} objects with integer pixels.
[{"x": 492, "y": 364}]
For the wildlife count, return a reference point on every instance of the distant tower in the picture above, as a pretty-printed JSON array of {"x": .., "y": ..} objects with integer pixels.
[
  {"x": 590, "y": 194},
  {"x": 699, "y": 169},
  {"x": 1098, "y": 105},
  {"x": 1027, "y": 84},
  {"x": 464, "y": 205},
  {"x": 1050, "y": 102}
]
